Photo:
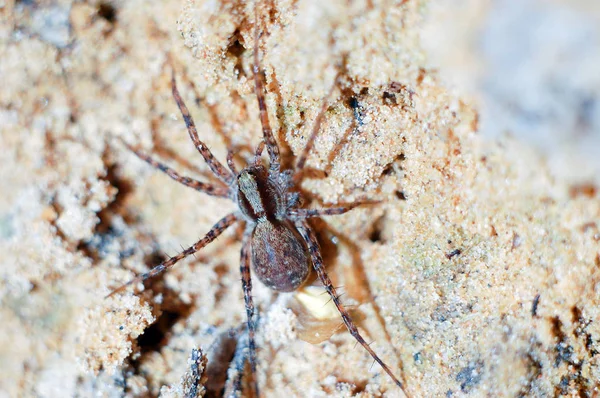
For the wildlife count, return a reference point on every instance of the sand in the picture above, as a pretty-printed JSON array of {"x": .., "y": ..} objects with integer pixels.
[{"x": 476, "y": 274}]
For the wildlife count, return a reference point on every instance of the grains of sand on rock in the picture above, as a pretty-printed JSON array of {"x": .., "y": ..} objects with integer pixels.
[{"x": 108, "y": 330}]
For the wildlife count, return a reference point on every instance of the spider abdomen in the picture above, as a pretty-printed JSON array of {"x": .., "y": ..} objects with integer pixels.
[{"x": 279, "y": 257}]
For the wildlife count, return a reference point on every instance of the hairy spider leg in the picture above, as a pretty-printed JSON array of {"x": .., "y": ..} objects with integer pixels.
[
  {"x": 247, "y": 288},
  {"x": 313, "y": 247},
  {"x": 215, "y": 166},
  {"x": 215, "y": 231},
  {"x": 209, "y": 189},
  {"x": 258, "y": 152},
  {"x": 233, "y": 386},
  {"x": 230, "y": 162},
  {"x": 259, "y": 88},
  {"x": 213, "y": 113},
  {"x": 197, "y": 376}
]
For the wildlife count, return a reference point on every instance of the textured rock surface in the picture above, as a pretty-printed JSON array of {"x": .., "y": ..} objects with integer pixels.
[{"x": 478, "y": 275}]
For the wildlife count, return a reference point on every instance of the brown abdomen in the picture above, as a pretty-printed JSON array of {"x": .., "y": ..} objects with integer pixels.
[{"x": 279, "y": 256}]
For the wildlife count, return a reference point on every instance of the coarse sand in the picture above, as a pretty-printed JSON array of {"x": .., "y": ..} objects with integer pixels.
[{"x": 476, "y": 274}]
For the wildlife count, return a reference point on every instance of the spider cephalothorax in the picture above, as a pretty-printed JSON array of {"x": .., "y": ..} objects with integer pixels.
[{"x": 278, "y": 241}]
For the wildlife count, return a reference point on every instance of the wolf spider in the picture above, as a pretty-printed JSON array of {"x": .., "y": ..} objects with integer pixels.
[{"x": 277, "y": 241}]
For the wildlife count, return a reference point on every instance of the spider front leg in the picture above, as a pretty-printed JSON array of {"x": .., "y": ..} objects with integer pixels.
[
  {"x": 216, "y": 230},
  {"x": 210, "y": 189},
  {"x": 315, "y": 254},
  {"x": 247, "y": 287},
  {"x": 258, "y": 152},
  {"x": 259, "y": 89},
  {"x": 230, "y": 162},
  {"x": 215, "y": 166}
]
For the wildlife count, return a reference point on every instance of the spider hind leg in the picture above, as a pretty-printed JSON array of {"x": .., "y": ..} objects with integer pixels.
[
  {"x": 313, "y": 246},
  {"x": 215, "y": 231},
  {"x": 247, "y": 288}
]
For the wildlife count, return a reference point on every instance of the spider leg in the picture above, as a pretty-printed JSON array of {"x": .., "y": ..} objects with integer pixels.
[
  {"x": 215, "y": 166},
  {"x": 258, "y": 152},
  {"x": 230, "y": 162},
  {"x": 313, "y": 246},
  {"x": 233, "y": 386},
  {"x": 247, "y": 287},
  {"x": 259, "y": 88},
  {"x": 210, "y": 189},
  {"x": 293, "y": 199},
  {"x": 216, "y": 230},
  {"x": 195, "y": 377}
]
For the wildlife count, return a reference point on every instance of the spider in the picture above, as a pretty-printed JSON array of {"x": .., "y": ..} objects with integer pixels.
[{"x": 277, "y": 242}]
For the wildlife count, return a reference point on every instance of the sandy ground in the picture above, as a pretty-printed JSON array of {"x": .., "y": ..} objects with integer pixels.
[{"x": 478, "y": 274}]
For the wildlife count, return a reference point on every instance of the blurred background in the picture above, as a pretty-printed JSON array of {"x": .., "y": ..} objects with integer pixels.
[{"x": 532, "y": 67}]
